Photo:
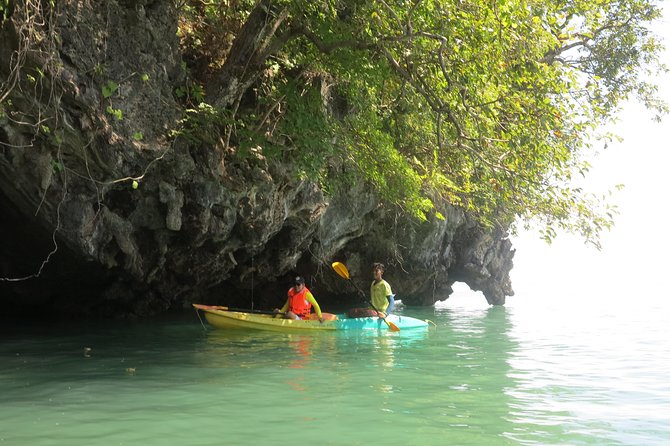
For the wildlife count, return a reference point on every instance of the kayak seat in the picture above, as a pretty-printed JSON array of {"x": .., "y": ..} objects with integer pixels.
[{"x": 361, "y": 312}]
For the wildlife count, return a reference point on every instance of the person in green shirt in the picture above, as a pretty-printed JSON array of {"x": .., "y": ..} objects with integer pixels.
[{"x": 381, "y": 295}]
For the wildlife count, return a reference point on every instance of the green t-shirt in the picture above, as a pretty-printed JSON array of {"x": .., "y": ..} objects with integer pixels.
[{"x": 378, "y": 292}]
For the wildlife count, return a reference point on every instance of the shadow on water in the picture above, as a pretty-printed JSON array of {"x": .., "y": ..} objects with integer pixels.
[{"x": 41, "y": 355}]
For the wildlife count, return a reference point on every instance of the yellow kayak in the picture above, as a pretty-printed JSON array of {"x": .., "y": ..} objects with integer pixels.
[{"x": 222, "y": 317}]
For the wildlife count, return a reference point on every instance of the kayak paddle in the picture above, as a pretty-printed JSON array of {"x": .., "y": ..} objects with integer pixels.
[{"x": 343, "y": 272}]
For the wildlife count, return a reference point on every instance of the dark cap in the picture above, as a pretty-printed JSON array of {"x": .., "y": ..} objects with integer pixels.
[{"x": 299, "y": 280}]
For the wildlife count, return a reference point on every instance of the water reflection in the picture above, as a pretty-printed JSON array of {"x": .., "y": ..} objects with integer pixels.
[
  {"x": 467, "y": 384},
  {"x": 505, "y": 387},
  {"x": 302, "y": 355},
  {"x": 302, "y": 346}
]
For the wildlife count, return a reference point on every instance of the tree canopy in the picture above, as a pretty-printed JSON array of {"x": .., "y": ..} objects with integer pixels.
[{"x": 489, "y": 106}]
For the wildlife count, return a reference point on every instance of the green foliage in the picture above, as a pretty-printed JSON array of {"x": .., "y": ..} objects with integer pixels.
[
  {"x": 200, "y": 125},
  {"x": 109, "y": 89},
  {"x": 57, "y": 166},
  {"x": 4, "y": 107},
  {"x": 190, "y": 93},
  {"x": 207, "y": 30},
  {"x": 485, "y": 105},
  {"x": 115, "y": 112},
  {"x": 5, "y": 10},
  {"x": 99, "y": 69},
  {"x": 305, "y": 133}
]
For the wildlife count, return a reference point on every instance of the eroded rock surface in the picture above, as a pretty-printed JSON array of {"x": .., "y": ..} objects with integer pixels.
[{"x": 203, "y": 224}]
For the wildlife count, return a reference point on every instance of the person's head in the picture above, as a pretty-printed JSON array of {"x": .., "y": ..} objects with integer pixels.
[
  {"x": 298, "y": 282},
  {"x": 377, "y": 270}
]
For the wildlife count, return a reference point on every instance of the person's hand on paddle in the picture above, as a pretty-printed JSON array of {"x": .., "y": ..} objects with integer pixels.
[{"x": 381, "y": 315}]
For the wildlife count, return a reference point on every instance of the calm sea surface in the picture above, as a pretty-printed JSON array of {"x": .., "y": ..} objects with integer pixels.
[{"x": 525, "y": 374}]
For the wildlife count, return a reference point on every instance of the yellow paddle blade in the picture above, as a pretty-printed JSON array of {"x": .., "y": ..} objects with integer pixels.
[
  {"x": 392, "y": 326},
  {"x": 341, "y": 269}
]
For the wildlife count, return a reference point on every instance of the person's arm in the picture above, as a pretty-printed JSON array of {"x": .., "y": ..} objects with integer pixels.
[
  {"x": 310, "y": 298},
  {"x": 391, "y": 300},
  {"x": 284, "y": 308}
]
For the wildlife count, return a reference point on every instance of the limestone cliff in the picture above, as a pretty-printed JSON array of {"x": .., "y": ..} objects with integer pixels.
[{"x": 105, "y": 213}]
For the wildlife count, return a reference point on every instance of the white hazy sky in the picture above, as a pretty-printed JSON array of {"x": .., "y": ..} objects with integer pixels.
[{"x": 633, "y": 261}]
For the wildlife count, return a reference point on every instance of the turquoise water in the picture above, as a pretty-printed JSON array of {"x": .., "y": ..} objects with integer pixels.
[{"x": 532, "y": 374}]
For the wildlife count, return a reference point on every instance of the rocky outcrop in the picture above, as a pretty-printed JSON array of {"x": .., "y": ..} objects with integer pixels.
[
  {"x": 104, "y": 214},
  {"x": 423, "y": 259}
]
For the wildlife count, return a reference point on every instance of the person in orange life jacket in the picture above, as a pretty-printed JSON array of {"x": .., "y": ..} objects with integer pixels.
[{"x": 299, "y": 302}]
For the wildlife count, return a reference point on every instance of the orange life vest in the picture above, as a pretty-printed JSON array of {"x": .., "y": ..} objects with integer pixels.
[{"x": 297, "y": 302}]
